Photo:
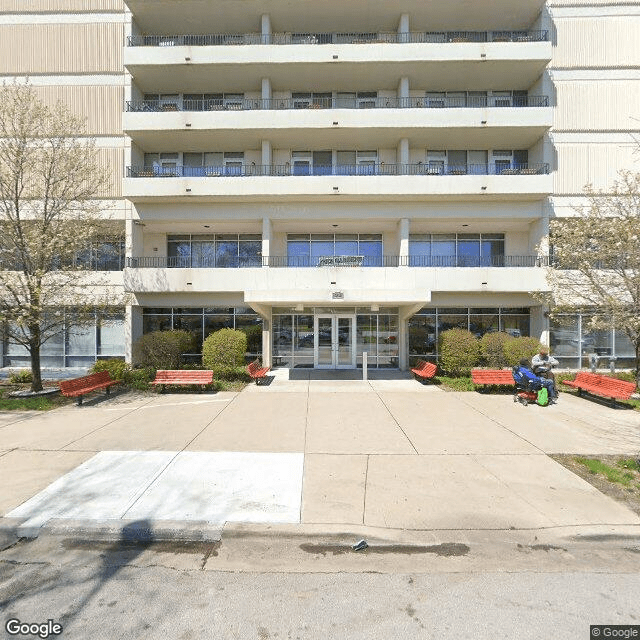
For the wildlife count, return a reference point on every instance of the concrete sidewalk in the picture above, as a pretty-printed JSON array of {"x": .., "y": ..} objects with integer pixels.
[{"x": 388, "y": 453}]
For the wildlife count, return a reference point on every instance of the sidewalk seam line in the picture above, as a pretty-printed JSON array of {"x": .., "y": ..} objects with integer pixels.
[
  {"x": 366, "y": 480},
  {"x": 394, "y": 418}
]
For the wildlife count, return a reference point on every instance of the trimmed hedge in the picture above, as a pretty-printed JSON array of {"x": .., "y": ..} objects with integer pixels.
[
  {"x": 492, "y": 349},
  {"x": 116, "y": 368},
  {"x": 459, "y": 352},
  {"x": 164, "y": 349},
  {"x": 223, "y": 352},
  {"x": 518, "y": 348}
]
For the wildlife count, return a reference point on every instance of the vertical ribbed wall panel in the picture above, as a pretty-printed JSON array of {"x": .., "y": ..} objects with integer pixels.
[
  {"x": 112, "y": 160},
  {"x": 61, "y": 48},
  {"x": 39, "y": 6},
  {"x": 610, "y": 105},
  {"x": 100, "y": 105},
  {"x": 596, "y": 164},
  {"x": 597, "y": 42}
]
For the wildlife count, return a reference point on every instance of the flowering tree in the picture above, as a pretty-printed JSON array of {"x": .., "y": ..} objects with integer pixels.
[
  {"x": 50, "y": 178},
  {"x": 596, "y": 260}
]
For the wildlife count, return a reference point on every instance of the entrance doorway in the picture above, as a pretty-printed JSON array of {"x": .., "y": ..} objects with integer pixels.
[{"x": 334, "y": 343}]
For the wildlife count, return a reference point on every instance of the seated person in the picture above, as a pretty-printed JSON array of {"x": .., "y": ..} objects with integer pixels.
[
  {"x": 525, "y": 372},
  {"x": 542, "y": 364}
]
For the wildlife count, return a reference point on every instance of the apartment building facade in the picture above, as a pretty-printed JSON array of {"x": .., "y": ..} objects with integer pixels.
[{"x": 333, "y": 179}]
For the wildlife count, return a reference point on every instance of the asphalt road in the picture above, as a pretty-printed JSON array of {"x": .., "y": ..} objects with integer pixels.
[{"x": 320, "y": 589}]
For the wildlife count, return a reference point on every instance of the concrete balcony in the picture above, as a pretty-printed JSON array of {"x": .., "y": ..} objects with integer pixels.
[
  {"x": 352, "y": 182},
  {"x": 448, "y": 127},
  {"x": 392, "y": 285},
  {"x": 191, "y": 63}
]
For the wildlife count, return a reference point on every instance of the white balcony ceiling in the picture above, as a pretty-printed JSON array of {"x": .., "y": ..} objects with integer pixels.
[
  {"x": 232, "y": 16},
  {"x": 165, "y": 75}
]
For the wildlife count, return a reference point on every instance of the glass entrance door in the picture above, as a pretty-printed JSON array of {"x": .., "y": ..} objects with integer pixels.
[{"x": 335, "y": 345}]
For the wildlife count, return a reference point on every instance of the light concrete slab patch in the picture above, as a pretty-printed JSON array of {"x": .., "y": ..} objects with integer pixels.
[
  {"x": 28, "y": 472},
  {"x": 278, "y": 386},
  {"x": 443, "y": 492},
  {"x": 54, "y": 429},
  {"x": 9, "y": 417},
  {"x": 353, "y": 423},
  {"x": 340, "y": 386},
  {"x": 157, "y": 427},
  {"x": 562, "y": 496},
  {"x": 101, "y": 488},
  {"x": 269, "y": 422},
  {"x": 225, "y": 486},
  {"x": 190, "y": 486},
  {"x": 333, "y": 489},
  {"x": 397, "y": 386},
  {"x": 441, "y": 424}
]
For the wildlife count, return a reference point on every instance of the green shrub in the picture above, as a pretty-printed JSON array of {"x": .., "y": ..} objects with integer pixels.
[
  {"x": 114, "y": 366},
  {"x": 517, "y": 348},
  {"x": 492, "y": 349},
  {"x": 21, "y": 377},
  {"x": 223, "y": 352},
  {"x": 164, "y": 349},
  {"x": 459, "y": 351},
  {"x": 139, "y": 378}
]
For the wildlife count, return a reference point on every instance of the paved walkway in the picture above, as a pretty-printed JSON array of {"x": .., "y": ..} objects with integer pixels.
[{"x": 387, "y": 453}]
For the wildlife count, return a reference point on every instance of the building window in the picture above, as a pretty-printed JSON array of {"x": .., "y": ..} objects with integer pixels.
[
  {"x": 219, "y": 251},
  {"x": 426, "y": 326},
  {"x": 203, "y": 321},
  {"x": 456, "y": 250},
  {"x": 312, "y": 250}
]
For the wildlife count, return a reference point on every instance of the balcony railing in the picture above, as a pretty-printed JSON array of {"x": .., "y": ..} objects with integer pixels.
[
  {"x": 380, "y": 169},
  {"x": 216, "y": 104},
  {"x": 419, "y": 37},
  {"x": 335, "y": 261}
]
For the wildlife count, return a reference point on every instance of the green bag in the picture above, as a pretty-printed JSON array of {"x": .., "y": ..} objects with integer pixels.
[{"x": 543, "y": 397}]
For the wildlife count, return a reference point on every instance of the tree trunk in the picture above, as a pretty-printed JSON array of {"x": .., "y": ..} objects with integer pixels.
[
  {"x": 638, "y": 362},
  {"x": 34, "y": 352}
]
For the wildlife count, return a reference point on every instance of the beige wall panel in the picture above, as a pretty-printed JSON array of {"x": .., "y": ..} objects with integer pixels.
[
  {"x": 100, "y": 105},
  {"x": 112, "y": 160},
  {"x": 38, "y": 6},
  {"x": 596, "y": 164},
  {"x": 61, "y": 48},
  {"x": 597, "y": 42},
  {"x": 610, "y": 105}
]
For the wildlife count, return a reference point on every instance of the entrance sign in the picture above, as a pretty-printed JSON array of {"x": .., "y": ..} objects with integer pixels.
[{"x": 340, "y": 261}]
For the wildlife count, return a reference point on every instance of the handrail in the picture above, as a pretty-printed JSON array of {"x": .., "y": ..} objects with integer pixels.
[
  {"x": 278, "y": 104},
  {"x": 341, "y": 261},
  {"x": 378, "y": 169},
  {"x": 290, "y": 38}
]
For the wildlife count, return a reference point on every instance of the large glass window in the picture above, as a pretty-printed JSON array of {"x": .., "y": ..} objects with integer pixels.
[
  {"x": 201, "y": 322},
  {"x": 219, "y": 251},
  {"x": 311, "y": 250},
  {"x": 456, "y": 250},
  {"x": 426, "y": 326}
]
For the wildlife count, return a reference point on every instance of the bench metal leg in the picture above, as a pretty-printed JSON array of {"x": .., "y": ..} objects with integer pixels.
[{"x": 79, "y": 401}]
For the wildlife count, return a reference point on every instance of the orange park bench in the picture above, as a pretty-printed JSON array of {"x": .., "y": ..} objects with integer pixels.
[
  {"x": 79, "y": 387},
  {"x": 490, "y": 377},
  {"x": 257, "y": 372},
  {"x": 182, "y": 377},
  {"x": 600, "y": 385},
  {"x": 424, "y": 370}
]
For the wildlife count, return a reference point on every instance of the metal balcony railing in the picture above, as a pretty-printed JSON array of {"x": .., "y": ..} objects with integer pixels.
[
  {"x": 379, "y": 169},
  {"x": 241, "y": 262},
  {"x": 417, "y": 37},
  {"x": 249, "y": 104}
]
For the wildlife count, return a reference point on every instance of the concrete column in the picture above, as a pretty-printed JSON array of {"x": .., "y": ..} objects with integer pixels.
[
  {"x": 266, "y": 342},
  {"x": 134, "y": 242},
  {"x": 266, "y": 28},
  {"x": 267, "y": 232},
  {"x": 266, "y": 156},
  {"x": 404, "y": 228},
  {"x": 403, "y": 88},
  {"x": 403, "y": 26},
  {"x": 403, "y": 344},
  {"x": 403, "y": 154},
  {"x": 266, "y": 89},
  {"x": 132, "y": 331}
]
